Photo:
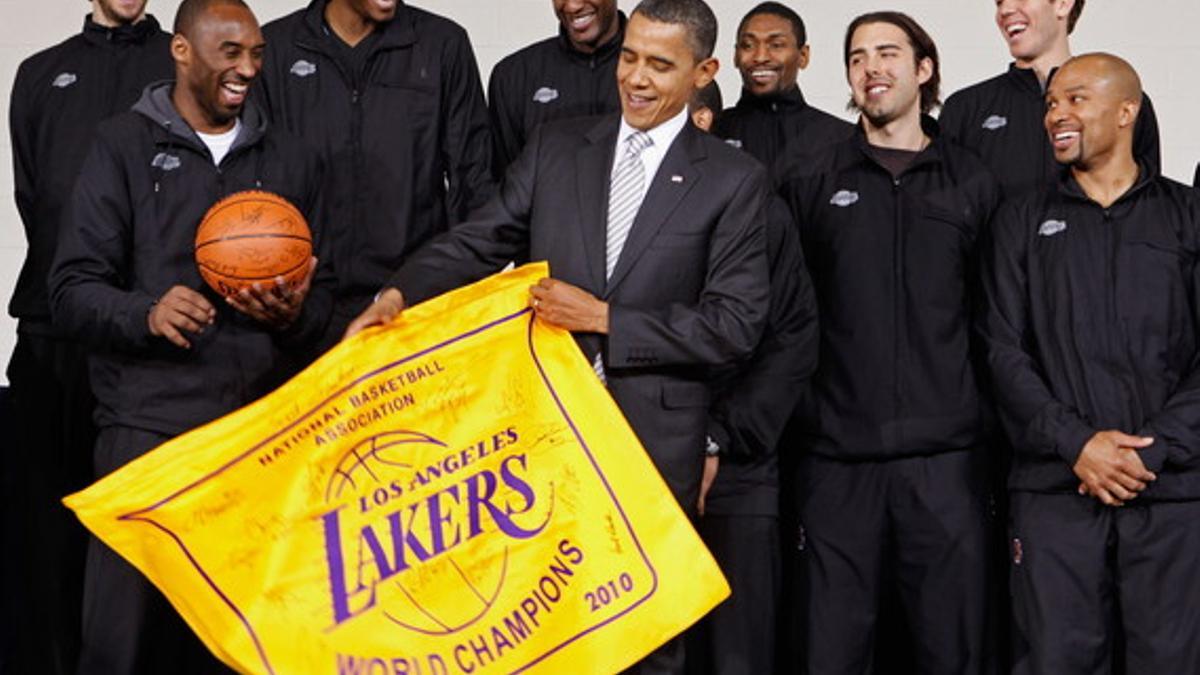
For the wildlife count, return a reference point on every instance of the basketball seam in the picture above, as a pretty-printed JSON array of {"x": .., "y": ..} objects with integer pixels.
[
  {"x": 284, "y": 273},
  {"x": 253, "y": 236}
]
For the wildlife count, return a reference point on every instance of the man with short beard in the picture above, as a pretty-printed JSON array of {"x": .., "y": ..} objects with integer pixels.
[
  {"x": 891, "y": 481},
  {"x": 58, "y": 98},
  {"x": 1094, "y": 347},
  {"x": 1000, "y": 119},
  {"x": 772, "y": 119},
  {"x": 167, "y": 353},
  {"x": 570, "y": 75},
  {"x": 389, "y": 96}
]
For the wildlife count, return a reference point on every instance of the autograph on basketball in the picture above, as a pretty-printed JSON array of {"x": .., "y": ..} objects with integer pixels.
[{"x": 454, "y": 492}]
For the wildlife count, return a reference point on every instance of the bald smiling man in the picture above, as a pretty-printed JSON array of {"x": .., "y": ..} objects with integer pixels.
[{"x": 1092, "y": 342}]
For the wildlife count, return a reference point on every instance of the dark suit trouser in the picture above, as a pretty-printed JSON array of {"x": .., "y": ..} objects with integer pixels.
[
  {"x": 919, "y": 521},
  {"x": 1081, "y": 573},
  {"x": 128, "y": 626},
  {"x": 738, "y": 636},
  {"x": 47, "y": 456}
]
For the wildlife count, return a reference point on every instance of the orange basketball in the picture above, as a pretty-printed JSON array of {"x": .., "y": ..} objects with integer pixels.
[{"x": 252, "y": 236}]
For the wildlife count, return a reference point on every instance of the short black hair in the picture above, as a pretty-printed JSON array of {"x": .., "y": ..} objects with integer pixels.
[
  {"x": 1073, "y": 17},
  {"x": 782, "y": 11},
  {"x": 191, "y": 10},
  {"x": 707, "y": 97},
  {"x": 923, "y": 48},
  {"x": 695, "y": 16}
]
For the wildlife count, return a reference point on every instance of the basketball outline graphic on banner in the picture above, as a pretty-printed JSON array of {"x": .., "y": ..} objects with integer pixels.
[{"x": 360, "y": 458}]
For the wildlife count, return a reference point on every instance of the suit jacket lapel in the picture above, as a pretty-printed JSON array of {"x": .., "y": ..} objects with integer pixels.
[
  {"x": 675, "y": 178},
  {"x": 593, "y": 168}
]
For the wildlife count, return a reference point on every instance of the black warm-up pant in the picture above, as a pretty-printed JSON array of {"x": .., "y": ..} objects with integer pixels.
[
  {"x": 128, "y": 626},
  {"x": 47, "y": 455},
  {"x": 1082, "y": 572},
  {"x": 919, "y": 521},
  {"x": 738, "y": 636}
]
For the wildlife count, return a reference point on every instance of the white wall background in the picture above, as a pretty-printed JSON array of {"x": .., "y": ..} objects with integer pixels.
[{"x": 1157, "y": 36}]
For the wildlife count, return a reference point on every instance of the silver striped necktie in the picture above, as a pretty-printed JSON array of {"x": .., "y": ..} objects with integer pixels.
[{"x": 624, "y": 199}]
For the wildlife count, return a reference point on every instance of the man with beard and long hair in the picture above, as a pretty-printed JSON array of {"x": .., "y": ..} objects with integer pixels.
[{"x": 890, "y": 482}]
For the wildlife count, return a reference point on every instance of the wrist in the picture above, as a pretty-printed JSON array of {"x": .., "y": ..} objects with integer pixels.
[{"x": 601, "y": 325}]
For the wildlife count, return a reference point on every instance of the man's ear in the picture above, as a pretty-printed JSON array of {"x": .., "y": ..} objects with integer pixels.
[
  {"x": 805, "y": 52},
  {"x": 1129, "y": 113},
  {"x": 181, "y": 49},
  {"x": 705, "y": 72},
  {"x": 924, "y": 70}
]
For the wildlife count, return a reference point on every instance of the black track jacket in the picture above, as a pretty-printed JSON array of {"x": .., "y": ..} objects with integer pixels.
[
  {"x": 1094, "y": 324},
  {"x": 782, "y": 125},
  {"x": 1001, "y": 120},
  {"x": 755, "y": 400},
  {"x": 58, "y": 98},
  {"x": 405, "y": 141},
  {"x": 893, "y": 263},
  {"x": 129, "y": 238},
  {"x": 549, "y": 80}
]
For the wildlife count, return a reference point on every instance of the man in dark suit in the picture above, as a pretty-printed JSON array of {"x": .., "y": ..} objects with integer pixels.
[
  {"x": 685, "y": 292},
  {"x": 689, "y": 287}
]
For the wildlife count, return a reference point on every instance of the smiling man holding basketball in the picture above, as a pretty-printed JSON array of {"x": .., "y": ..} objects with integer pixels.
[{"x": 168, "y": 354}]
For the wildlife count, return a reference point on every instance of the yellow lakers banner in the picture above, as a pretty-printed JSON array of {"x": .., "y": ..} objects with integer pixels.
[{"x": 452, "y": 493}]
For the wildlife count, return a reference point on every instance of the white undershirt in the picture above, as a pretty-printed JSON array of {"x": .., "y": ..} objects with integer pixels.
[{"x": 219, "y": 144}]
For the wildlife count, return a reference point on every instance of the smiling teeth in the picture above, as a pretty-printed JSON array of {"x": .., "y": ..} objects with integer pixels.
[
  {"x": 762, "y": 73},
  {"x": 1062, "y": 136},
  {"x": 877, "y": 89},
  {"x": 1017, "y": 28},
  {"x": 581, "y": 20},
  {"x": 236, "y": 88}
]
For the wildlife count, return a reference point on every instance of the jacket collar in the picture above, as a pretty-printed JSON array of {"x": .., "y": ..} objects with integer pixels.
[
  {"x": 156, "y": 105},
  {"x": 132, "y": 34},
  {"x": 932, "y": 154},
  {"x": 1070, "y": 188},
  {"x": 399, "y": 32},
  {"x": 603, "y": 53},
  {"x": 1026, "y": 79},
  {"x": 788, "y": 99}
]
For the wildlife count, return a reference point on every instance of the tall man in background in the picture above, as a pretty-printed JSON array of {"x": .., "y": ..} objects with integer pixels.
[
  {"x": 1001, "y": 119},
  {"x": 167, "y": 353},
  {"x": 660, "y": 270},
  {"x": 891, "y": 482},
  {"x": 772, "y": 115},
  {"x": 570, "y": 75},
  {"x": 1093, "y": 285},
  {"x": 390, "y": 97},
  {"x": 59, "y": 96}
]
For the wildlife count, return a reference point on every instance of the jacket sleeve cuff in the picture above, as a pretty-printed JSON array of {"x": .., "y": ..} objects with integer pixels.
[
  {"x": 720, "y": 436},
  {"x": 624, "y": 352},
  {"x": 137, "y": 322},
  {"x": 1070, "y": 440},
  {"x": 1154, "y": 456}
]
